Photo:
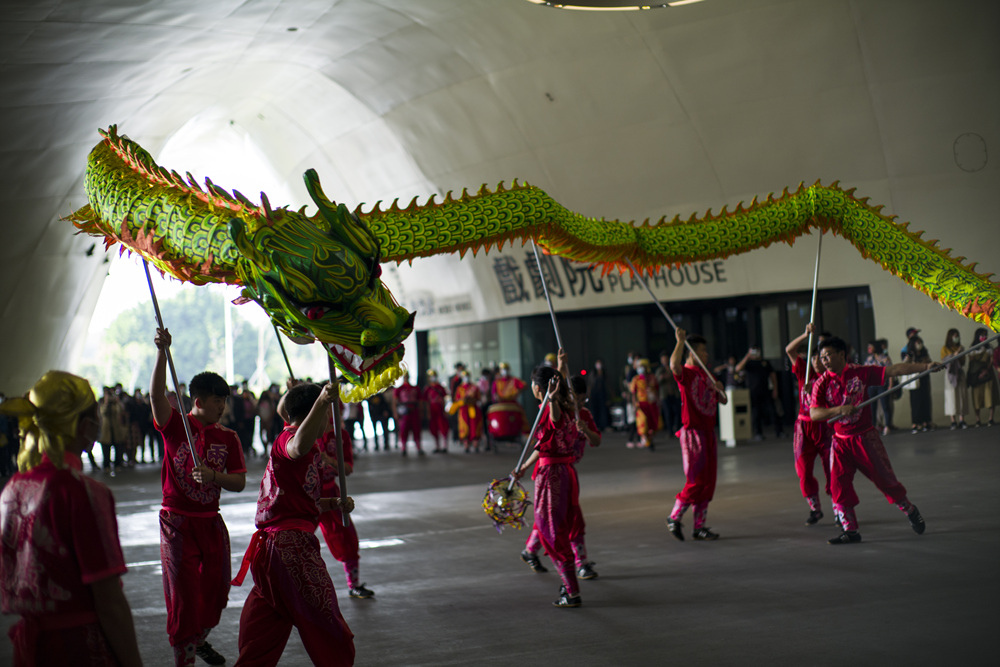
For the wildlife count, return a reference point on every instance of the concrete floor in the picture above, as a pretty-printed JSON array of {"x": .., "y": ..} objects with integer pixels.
[{"x": 451, "y": 591}]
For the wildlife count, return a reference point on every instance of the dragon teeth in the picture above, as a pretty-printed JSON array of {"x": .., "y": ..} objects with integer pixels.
[{"x": 348, "y": 356}]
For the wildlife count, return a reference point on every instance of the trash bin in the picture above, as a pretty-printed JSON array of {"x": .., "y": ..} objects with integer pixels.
[
  {"x": 618, "y": 422},
  {"x": 734, "y": 417}
]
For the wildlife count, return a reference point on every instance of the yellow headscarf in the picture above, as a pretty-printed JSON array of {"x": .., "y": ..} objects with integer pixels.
[{"x": 48, "y": 417}]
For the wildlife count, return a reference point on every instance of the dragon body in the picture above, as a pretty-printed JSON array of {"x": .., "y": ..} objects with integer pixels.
[{"x": 318, "y": 276}]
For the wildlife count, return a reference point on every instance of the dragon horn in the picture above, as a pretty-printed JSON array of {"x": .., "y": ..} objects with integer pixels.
[
  {"x": 238, "y": 232},
  {"x": 343, "y": 224}
]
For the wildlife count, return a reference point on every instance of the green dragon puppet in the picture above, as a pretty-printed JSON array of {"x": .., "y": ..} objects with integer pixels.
[{"x": 318, "y": 276}]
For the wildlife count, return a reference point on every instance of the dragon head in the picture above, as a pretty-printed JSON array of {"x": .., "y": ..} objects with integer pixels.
[{"x": 319, "y": 279}]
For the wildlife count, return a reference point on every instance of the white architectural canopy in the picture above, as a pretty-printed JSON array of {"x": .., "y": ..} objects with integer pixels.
[{"x": 628, "y": 115}]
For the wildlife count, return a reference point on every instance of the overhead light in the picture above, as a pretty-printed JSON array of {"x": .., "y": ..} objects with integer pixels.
[{"x": 610, "y": 5}]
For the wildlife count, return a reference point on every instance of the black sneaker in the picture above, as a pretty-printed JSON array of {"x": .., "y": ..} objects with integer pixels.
[
  {"x": 209, "y": 654},
  {"x": 566, "y": 600},
  {"x": 675, "y": 529},
  {"x": 705, "y": 534},
  {"x": 916, "y": 521},
  {"x": 814, "y": 517},
  {"x": 586, "y": 571},
  {"x": 532, "y": 560},
  {"x": 846, "y": 537},
  {"x": 361, "y": 592}
]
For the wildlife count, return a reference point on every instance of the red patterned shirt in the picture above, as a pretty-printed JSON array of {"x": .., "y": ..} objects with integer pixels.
[
  {"x": 699, "y": 400},
  {"x": 558, "y": 439},
  {"x": 59, "y": 536},
  {"x": 407, "y": 398},
  {"x": 435, "y": 394},
  {"x": 290, "y": 488},
  {"x": 850, "y": 387},
  {"x": 507, "y": 388},
  {"x": 218, "y": 447}
]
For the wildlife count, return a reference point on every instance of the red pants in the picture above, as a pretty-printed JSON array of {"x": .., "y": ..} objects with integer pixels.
[
  {"x": 700, "y": 456},
  {"x": 647, "y": 418},
  {"x": 292, "y": 587},
  {"x": 196, "y": 574},
  {"x": 342, "y": 540},
  {"x": 557, "y": 493},
  {"x": 438, "y": 423},
  {"x": 864, "y": 453},
  {"x": 809, "y": 440},
  {"x": 409, "y": 428}
]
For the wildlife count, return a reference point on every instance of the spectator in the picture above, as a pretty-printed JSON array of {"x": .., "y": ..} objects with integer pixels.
[
  {"x": 982, "y": 379},
  {"x": 599, "y": 396},
  {"x": 728, "y": 375},
  {"x": 763, "y": 385},
  {"x": 267, "y": 411},
  {"x": 354, "y": 418},
  {"x": 670, "y": 395},
  {"x": 140, "y": 427},
  {"x": 956, "y": 395},
  {"x": 246, "y": 424},
  {"x": 112, "y": 431},
  {"x": 380, "y": 410},
  {"x": 625, "y": 387},
  {"x": 910, "y": 333},
  {"x": 920, "y": 391}
]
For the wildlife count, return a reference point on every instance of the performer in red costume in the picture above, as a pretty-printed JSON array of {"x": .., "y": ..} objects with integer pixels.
[
  {"x": 194, "y": 542},
  {"x": 61, "y": 561},
  {"x": 406, "y": 412},
  {"x": 342, "y": 540},
  {"x": 700, "y": 398},
  {"x": 434, "y": 396},
  {"x": 810, "y": 439},
  {"x": 506, "y": 387},
  {"x": 291, "y": 584},
  {"x": 587, "y": 433},
  {"x": 856, "y": 444},
  {"x": 646, "y": 397},
  {"x": 470, "y": 418},
  {"x": 557, "y": 489}
]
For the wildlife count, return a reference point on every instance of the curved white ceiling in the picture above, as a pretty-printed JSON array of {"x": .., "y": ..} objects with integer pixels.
[{"x": 624, "y": 115}]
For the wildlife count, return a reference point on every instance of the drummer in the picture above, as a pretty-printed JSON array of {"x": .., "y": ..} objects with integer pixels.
[{"x": 506, "y": 387}]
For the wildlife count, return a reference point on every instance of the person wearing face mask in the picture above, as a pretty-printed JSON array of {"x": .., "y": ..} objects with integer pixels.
[
  {"x": 470, "y": 419},
  {"x": 920, "y": 391},
  {"x": 506, "y": 387},
  {"x": 625, "y": 382},
  {"x": 762, "y": 382},
  {"x": 505, "y": 417},
  {"x": 646, "y": 395},
  {"x": 982, "y": 379},
  {"x": 956, "y": 394},
  {"x": 433, "y": 398}
]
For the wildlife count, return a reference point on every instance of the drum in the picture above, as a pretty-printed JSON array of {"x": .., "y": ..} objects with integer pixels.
[{"x": 505, "y": 420}]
